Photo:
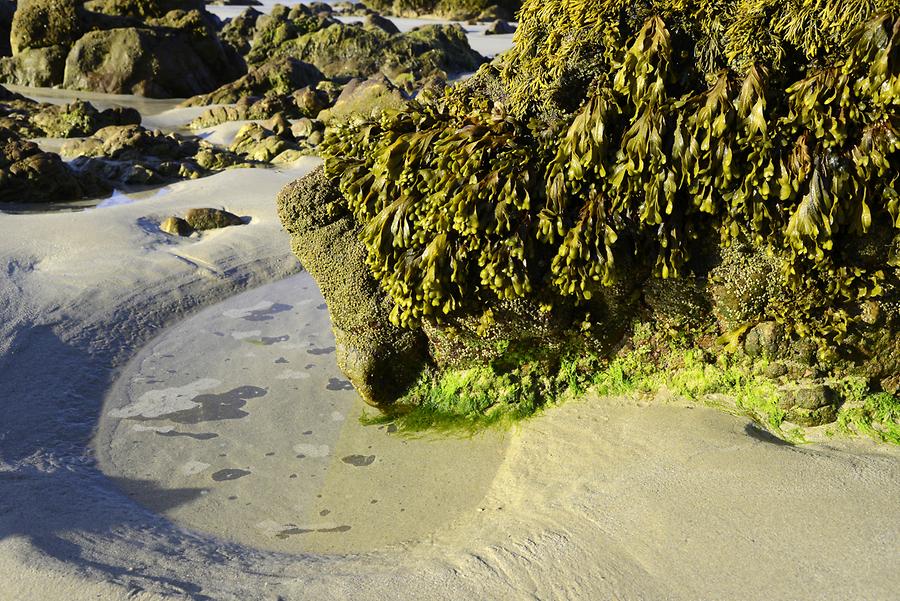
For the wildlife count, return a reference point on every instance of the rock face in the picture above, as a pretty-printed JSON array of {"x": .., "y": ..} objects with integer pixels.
[
  {"x": 381, "y": 360},
  {"x": 153, "y": 48},
  {"x": 29, "y": 175}
]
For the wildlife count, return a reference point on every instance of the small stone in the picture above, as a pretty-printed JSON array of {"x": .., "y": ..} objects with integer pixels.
[
  {"x": 176, "y": 226},
  {"x": 210, "y": 219},
  {"x": 809, "y": 404},
  {"x": 764, "y": 339}
]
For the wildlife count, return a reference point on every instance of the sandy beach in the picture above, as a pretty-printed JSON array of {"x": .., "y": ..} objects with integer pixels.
[{"x": 175, "y": 426}]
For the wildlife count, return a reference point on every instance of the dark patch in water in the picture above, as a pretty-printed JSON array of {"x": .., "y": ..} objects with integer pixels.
[
  {"x": 281, "y": 360},
  {"x": 229, "y": 474},
  {"x": 270, "y": 454},
  {"x": 266, "y": 314},
  {"x": 307, "y": 433},
  {"x": 321, "y": 351},
  {"x": 219, "y": 333},
  {"x": 293, "y": 531},
  {"x": 359, "y": 460},
  {"x": 322, "y": 307},
  {"x": 337, "y": 384},
  {"x": 337, "y": 529},
  {"x": 199, "y": 436},
  {"x": 762, "y": 435},
  {"x": 216, "y": 407},
  {"x": 270, "y": 340}
]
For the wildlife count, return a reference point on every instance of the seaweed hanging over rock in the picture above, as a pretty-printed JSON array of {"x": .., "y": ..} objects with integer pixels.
[{"x": 626, "y": 154}]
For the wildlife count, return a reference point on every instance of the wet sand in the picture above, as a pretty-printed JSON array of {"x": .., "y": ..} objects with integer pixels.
[{"x": 244, "y": 402}]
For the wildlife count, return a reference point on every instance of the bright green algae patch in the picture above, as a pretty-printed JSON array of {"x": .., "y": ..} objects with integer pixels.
[{"x": 463, "y": 401}]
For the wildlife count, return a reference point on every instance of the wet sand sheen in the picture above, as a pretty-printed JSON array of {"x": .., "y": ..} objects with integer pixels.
[{"x": 237, "y": 422}]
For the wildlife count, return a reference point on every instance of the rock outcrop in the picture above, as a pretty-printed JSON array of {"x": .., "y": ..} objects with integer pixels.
[{"x": 380, "y": 359}]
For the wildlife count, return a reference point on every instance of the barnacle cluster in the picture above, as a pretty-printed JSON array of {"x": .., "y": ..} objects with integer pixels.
[{"x": 621, "y": 137}]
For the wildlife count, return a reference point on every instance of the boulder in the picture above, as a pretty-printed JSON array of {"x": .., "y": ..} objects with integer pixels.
[
  {"x": 210, "y": 219},
  {"x": 365, "y": 98},
  {"x": 149, "y": 62},
  {"x": 379, "y": 22},
  {"x": 381, "y": 360},
  {"x": 44, "y": 23},
  {"x": 499, "y": 27},
  {"x": 809, "y": 404}
]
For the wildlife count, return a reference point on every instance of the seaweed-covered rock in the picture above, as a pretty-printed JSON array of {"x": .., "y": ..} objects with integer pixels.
[
  {"x": 706, "y": 168},
  {"x": 34, "y": 119},
  {"x": 380, "y": 359},
  {"x": 809, "y": 404},
  {"x": 239, "y": 31},
  {"x": 281, "y": 76},
  {"x": 346, "y": 51},
  {"x": 28, "y": 174}
]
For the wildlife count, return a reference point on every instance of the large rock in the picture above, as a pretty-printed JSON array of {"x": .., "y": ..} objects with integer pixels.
[
  {"x": 155, "y": 48},
  {"x": 43, "y": 23},
  {"x": 149, "y": 62},
  {"x": 381, "y": 360},
  {"x": 346, "y": 51}
]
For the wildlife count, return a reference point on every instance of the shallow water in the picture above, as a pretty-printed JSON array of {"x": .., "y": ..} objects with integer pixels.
[{"x": 244, "y": 405}]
